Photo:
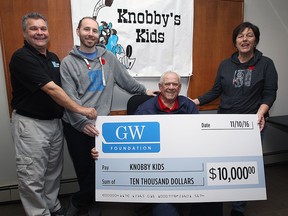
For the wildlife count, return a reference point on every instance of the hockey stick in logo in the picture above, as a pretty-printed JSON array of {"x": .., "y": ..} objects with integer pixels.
[{"x": 100, "y": 4}]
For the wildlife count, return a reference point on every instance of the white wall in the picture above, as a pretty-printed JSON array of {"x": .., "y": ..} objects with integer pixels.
[
  {"x": 7, "y": 159},
  {"x": 269, "y": 16},
  {"x": 272, "y": 19}
]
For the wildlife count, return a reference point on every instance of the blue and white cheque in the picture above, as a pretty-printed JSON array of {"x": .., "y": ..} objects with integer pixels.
[{"x": 179, "y": 158}]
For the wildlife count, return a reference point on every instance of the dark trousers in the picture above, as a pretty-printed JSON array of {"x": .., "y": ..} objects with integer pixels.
[
  {"x": 196, "y": 209},
  {"x": 79, "y": 147},
  {"x": 206, "y": 209}
]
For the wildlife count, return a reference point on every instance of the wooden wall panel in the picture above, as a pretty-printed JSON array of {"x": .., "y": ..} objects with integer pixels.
[
  {"x": 214, "y": 21},
  {"x": 213, "y": 24},
  {"x": 60, "y": 27}
]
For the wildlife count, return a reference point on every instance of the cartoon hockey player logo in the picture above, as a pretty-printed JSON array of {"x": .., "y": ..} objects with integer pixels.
[{"x": 108, "y": 37}]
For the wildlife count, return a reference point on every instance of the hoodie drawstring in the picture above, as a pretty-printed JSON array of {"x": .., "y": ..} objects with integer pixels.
[
  {"x": 89, "y": 67},
  {"x": 87, "y": 63},
  {"x": 103, "y": 73}
]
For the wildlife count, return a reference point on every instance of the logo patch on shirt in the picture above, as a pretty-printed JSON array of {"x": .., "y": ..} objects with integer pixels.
[
  {"x": 96, "y": 83},
  {"x": 242, "y": 77},
  {"x": 131, "y": 137},
  {"x": 55, "y": 64}
]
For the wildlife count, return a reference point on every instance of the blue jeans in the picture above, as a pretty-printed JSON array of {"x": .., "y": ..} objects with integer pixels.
[
  {"x": 165, "y": 209},
  {"x": 239, "y": 206}
]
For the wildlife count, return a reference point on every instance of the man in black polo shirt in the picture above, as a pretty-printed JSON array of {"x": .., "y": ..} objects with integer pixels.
[{"x": 37, "y": 103}]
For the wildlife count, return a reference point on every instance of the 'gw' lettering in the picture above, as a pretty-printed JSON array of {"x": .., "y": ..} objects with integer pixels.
[{"x": 123, "y": 132}]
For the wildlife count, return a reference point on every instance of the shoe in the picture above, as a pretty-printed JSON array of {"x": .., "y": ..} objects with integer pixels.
[
  {"x": 59, "y": 212},
  {"x": 71, "y": 210},
  {"x": 94, "y": 210},
  {"x": 236, "y": 213}
]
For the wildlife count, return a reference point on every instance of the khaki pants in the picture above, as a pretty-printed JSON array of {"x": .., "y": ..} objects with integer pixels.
[{"x": 39, "y": 161}]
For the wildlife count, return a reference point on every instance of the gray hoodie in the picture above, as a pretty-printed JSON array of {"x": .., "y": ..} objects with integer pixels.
[{"x": 90, "y": 82}]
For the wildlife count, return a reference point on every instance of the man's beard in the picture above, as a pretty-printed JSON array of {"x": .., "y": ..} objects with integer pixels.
[{"x": 88, "y": 45}]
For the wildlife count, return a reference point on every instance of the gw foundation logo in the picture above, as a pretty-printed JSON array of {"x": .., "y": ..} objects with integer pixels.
[{"x": 134, "y": 137}]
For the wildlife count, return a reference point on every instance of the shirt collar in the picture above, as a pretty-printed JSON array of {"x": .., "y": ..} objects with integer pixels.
[{"x": 164, "y": 108}]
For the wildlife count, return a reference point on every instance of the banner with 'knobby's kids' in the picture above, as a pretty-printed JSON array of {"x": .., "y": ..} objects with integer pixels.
[{"x": 147, "y": 37}]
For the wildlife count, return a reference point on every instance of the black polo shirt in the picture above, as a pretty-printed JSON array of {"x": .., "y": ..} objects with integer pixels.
[{"x": 30, "y": 70}]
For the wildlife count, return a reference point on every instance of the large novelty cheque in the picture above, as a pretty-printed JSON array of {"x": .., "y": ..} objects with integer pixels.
[{"x": 179, "y": 158}]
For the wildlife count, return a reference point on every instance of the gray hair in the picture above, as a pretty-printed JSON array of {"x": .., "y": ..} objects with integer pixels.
[
  {"x": 169, "y": 72},
  {"x": 32, "y": 15}
]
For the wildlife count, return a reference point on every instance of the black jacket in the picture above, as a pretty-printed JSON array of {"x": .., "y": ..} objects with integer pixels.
[{"x": 243, "y": 87}]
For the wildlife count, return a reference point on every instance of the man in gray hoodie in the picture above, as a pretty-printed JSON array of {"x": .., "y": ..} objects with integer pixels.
[{"x": 88, "y": 76}]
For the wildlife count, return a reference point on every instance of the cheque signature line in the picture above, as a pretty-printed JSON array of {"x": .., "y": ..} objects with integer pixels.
[{"x": 227, "y": 128}]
